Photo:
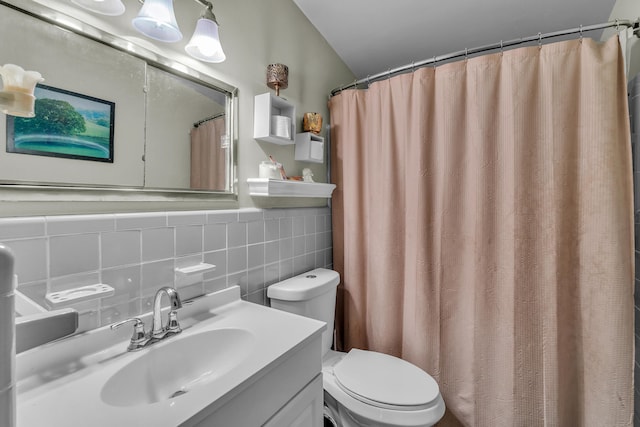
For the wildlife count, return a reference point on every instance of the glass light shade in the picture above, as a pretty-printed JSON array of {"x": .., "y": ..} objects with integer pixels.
[
  {"x": 16, "y": 96},
  {"x": 157, "y": 21},
  {"x": 205, "y": 42},
  {"x": 103, "y": 7},
  {"x": 17, "y": 104}
]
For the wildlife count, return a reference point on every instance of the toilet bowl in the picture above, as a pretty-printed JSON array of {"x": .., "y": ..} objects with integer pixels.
[
  {"x": 361, "y": 388},
  {"x": 366, "y": 388}
]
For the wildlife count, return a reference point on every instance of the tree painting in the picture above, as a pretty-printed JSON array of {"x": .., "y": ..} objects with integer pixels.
[
  {"x": 53, "y": 117},
  {"x": 66, "y": 124}
]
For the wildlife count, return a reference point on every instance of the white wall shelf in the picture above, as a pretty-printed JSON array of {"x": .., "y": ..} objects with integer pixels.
[
  {"x": 264, "y": 187},
  {"x": 309, "y": 147},
  {"x": 265, "y": 107}
]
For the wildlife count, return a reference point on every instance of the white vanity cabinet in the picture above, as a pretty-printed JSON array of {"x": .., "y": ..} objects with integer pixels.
[
  {"x": 304, "y": 410},
  {"x": 289, "y": 393}
]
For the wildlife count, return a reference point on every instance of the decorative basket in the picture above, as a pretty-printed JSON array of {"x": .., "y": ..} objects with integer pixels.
[{"x": 312, "y": 122}]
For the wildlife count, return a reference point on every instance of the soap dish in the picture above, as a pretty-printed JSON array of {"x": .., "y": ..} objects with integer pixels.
[
  {"x": 75, "y": 295},
  {"x": 202, "y": 267}
]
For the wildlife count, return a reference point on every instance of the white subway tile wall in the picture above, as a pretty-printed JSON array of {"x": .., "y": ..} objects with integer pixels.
[{"x": 137, "y": 253}]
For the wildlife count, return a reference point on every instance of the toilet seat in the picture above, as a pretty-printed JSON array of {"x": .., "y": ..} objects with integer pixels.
[
  {"x": 369, "y": 406},
  {"x": 385, "y": 381}
]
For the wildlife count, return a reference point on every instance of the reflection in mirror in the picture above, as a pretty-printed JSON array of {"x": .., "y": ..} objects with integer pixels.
[
  {"x": 171, "y": 131},
  {"x": 209, "y": 153},
  {"x": 193, "y": 151}
]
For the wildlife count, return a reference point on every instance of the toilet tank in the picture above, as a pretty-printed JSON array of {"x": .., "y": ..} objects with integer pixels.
[{"x": 311, "y": 294}]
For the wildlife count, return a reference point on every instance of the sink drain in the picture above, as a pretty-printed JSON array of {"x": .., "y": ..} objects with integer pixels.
[{"x": 178, "y": 393}]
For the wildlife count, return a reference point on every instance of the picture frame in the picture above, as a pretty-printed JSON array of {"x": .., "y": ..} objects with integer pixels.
[{"x": 67, "y": 124}]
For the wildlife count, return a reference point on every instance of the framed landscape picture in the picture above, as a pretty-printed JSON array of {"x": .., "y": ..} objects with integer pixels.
[{"x": 66, "y": 124}]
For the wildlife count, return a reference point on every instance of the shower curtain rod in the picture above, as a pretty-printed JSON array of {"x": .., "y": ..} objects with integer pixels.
[
  {"x": 206, "y": 119},
  {"x": 501, "y": 45}
]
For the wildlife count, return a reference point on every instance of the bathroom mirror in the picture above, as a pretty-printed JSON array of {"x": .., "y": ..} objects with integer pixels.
[{"x": 172, "y": 126}]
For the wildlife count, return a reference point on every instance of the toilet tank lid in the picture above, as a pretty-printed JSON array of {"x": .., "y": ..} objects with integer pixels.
[{"x": 305, "y": 286}]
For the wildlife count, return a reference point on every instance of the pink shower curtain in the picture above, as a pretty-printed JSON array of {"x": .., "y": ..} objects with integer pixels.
[
  {"x": 483, "y": 231},
  {"x": 208, "y": 157}
]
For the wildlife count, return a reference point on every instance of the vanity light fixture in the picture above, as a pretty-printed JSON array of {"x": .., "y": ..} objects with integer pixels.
[
  {"x": 103, "y": 7},
  {"x": 16, "y": 96},
  {"x": 205, "y": 43},
  {"x": 157, "y": 20}
]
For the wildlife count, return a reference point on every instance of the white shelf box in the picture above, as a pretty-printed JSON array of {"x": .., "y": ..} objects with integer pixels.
[
  {"x": 264, "y": 187},
  {"x": 309, "y": 147},
  {"x": 267, "y": 106}
]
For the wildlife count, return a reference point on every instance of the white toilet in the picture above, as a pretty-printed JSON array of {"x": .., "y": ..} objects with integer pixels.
[{"x": 361, "y": 388}]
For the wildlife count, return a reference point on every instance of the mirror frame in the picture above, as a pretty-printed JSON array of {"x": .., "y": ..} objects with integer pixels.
[{"x": 66, "y": 22}]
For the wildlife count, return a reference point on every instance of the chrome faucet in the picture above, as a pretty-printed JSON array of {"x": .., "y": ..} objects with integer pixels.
[
  {"x": 140, "y": 339},
  {"x": 158, "y": 331}
]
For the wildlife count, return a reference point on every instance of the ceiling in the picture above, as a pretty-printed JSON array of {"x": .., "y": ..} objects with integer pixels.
[{"x": 372, "y": 36}]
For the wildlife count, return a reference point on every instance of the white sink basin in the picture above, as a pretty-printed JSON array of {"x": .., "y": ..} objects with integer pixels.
[
  {"x": 175, "y": 367},
  {"x": 225, "y": 348}
]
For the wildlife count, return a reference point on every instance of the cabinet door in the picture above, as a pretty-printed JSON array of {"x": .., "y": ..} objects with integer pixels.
[{"x": 304, "y": 410}]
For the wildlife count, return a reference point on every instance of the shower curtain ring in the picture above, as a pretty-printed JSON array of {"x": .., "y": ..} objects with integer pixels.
[
  {"x": 435, "y": 61},
  {"x": 617, "y": 25},
  {"x": 539, "y": 39},
  {"x": 413, "y": 69},
  {"x": 501, "y": 47},
  {"x": 466, "y": 53},
  {"x": 581, "y": 32}
]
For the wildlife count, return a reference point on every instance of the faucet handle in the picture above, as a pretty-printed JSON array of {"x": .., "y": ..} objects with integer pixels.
[
  {"x": 138, "y": 329},
  {"x": 172, "y": 323}
]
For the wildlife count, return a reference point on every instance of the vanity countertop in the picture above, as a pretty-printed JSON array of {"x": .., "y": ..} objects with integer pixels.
[{"x": 63, "y": 383}]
